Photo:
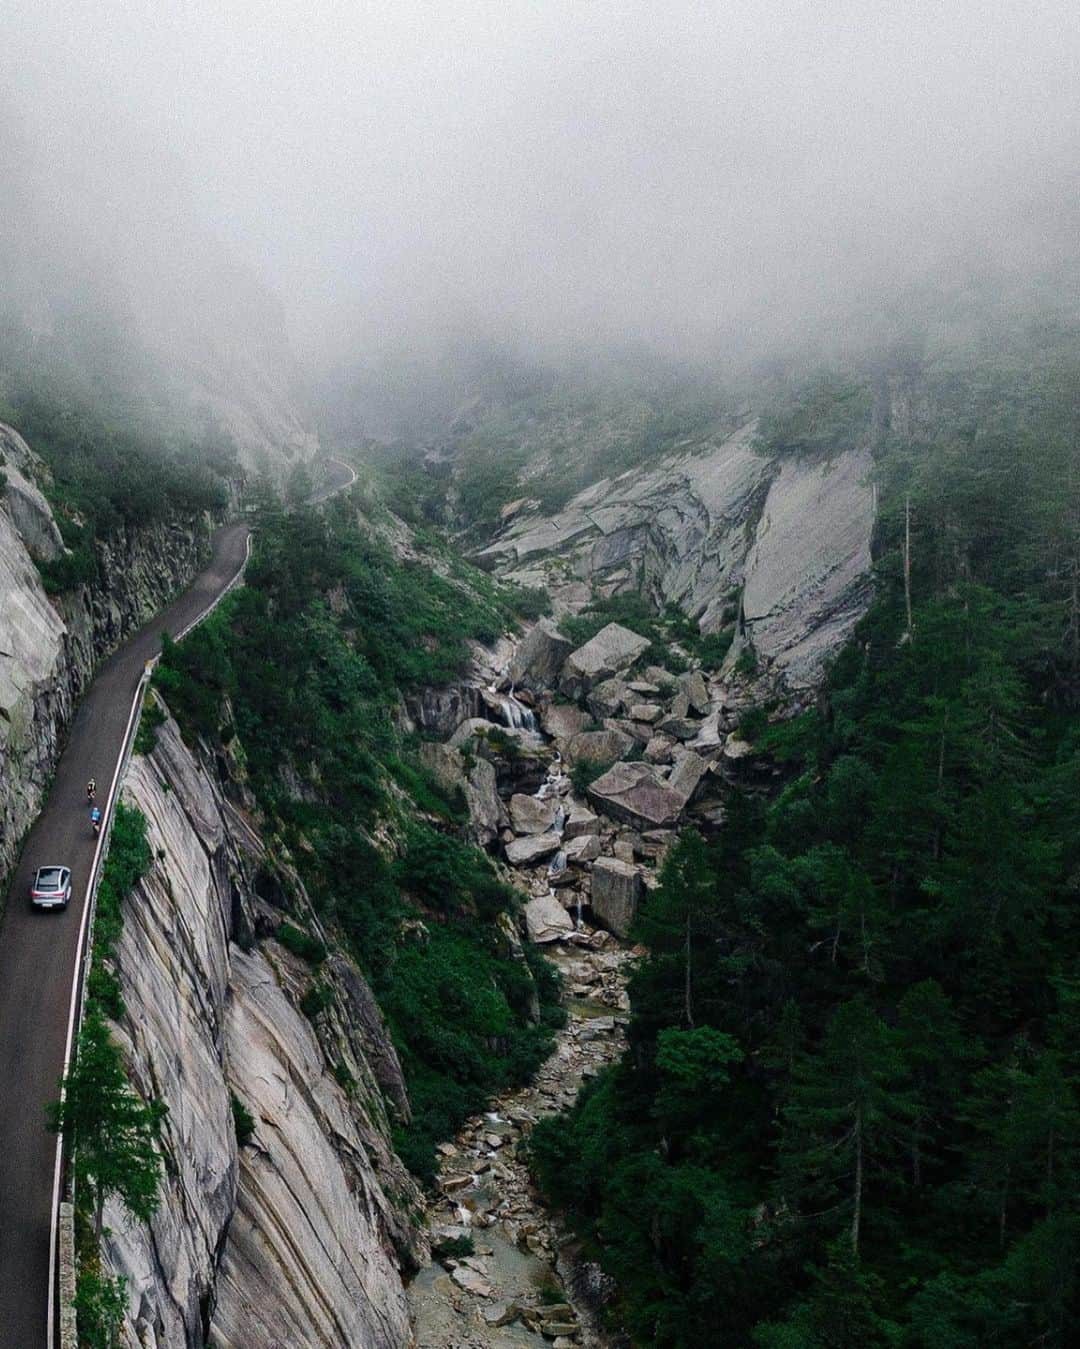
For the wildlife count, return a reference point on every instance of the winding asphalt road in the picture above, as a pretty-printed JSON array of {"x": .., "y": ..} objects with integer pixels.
[{"x": 39, "y": 953}]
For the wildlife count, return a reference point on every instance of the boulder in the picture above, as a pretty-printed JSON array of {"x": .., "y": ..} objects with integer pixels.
[
  {"x": 540, "y": 656},
  {"x": 680, "y": 704},
  {"x": 616, "y": 894},
  {"x": 603, "y": 747},
  {"x": 681, "y": 728},
  {"x": 613, "y": 649},
  {"x": 687, "y": 773},
  {"x": 584, "y": 848},
  {"x": 525, "y": 852},
  {"x": 634, "y": 729},
  {"x": 530, "y": 815},
  {"x": 643, "y": 687},
  {"x": 659, "y": 748},
  {"x": 562, "y": 721},
  {"x": 486, "y": 812},
  {"x": 580, "y": 821},
  {"x": 693, "y": 685},
  {"x": 608, "y": 699},
  {"x": 709, "y": 736},
  {"x": 472, "y": 1281},
  {"x": 647, "y": 712},
  {"x": 635, "y": 793},
  {"x": 546, "y": 920},
  {"x": 735, "y": 748}
]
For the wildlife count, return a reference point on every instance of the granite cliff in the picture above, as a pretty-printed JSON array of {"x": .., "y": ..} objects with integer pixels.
[{"x": 50, "y": 645}]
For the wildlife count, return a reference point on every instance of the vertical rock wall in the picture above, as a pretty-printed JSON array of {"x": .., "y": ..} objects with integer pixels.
[
  {"x": 49, "y": 646},
  {"x": 299, "y": 1237}
]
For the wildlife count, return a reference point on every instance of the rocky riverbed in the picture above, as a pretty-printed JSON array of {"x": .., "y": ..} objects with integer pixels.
[
  {"x": 658, "y": 748},
  {"x": 515, "y": 1289}
]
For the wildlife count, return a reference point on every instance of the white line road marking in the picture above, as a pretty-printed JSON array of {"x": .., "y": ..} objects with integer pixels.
[{"x": 88, "y": 905}]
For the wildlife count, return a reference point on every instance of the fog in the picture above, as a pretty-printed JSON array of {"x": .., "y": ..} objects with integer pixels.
[{"x": 556, "y": 177}]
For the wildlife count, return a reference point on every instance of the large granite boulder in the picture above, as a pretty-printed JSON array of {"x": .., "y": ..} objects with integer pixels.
[
  {"x": 530, "y": 815},
  {"x": 608, "y": 698},
  {"x": 540, "y": 656},
  {"x": 580, "y": 821},
  {"x": 584, "y": 848},
  {"x": 546, "y": 920},
  {"x": 635, "y": 794},
  {"x": 562, "y": 721},
  {"x": 602, "y": 747},
  {"x": 613, "y": 649},
  {"x": 693, "y": 685},
  {"x": 689, "y": 769},
  {"x": 616, "y": 894},
  {"x": 525, "y": 852}
]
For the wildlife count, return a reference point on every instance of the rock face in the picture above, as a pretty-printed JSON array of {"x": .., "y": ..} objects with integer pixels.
[
  {"x": 614, "y": 648},
  {"x": 447, "y": 765},
  {"x": 808, "y": 572},
  {"x": 616, "y": 894},
  {"x": 297, "y": 1238},
  {"x": 50, "y": 647},
  {"x": 721, "y": 531}
]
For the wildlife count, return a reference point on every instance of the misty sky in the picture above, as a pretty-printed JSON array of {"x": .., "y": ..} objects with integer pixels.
[{"x": 401, "y": 173}]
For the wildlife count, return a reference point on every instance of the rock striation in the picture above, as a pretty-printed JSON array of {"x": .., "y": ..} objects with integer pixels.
[
  {"x": 780, "y": 548},
  {"x": 50, "y": 646},
  {"x": 300, "y": 1236}
]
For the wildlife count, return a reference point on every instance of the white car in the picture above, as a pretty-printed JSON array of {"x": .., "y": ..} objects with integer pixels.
[{"x": 51, "y": 888}]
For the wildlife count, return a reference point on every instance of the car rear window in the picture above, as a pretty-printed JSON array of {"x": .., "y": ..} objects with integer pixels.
[{"x": 49, "y": 878}]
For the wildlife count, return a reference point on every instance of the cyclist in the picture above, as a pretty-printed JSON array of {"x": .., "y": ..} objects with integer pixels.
[
  {"x": 95, "y": 820},
  {"x": 91, "y": 790}
]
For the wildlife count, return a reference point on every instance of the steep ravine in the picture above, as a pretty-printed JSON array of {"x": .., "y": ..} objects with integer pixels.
[{"x": 514, "y": 1288}]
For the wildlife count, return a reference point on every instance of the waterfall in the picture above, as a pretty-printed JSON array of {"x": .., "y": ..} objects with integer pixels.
[{"x": 513, "y": 713}]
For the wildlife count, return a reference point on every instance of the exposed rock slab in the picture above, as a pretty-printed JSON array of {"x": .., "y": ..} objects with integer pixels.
[
  {"x": 634, "y": 792},
  {"x": 524, "y": 852},
  {"x": 614, "y": 648},
  {"x": 808, "y": 573},
  {"x": 546, "y": 920}
]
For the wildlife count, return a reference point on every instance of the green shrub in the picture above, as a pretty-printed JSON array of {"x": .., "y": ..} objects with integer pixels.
[
  {"x": 712, "y": 649},
  {"x": 585, "y": 772},
  {"x": 454, "y": 1248},
  {"x": 100, "y": 1305},
  {"x": 301, "y": 943},
  {"x": 151, "y": 718},
  {"x": 243, "y": 1121},
  {"x": 317, "y": 998},
  {"x": 752, "y": 724}
]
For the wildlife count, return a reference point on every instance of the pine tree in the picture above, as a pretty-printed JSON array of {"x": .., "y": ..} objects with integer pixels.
[
  {"x": 112, "y": 1131},
  {"x": 844, "y": 1120}
]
